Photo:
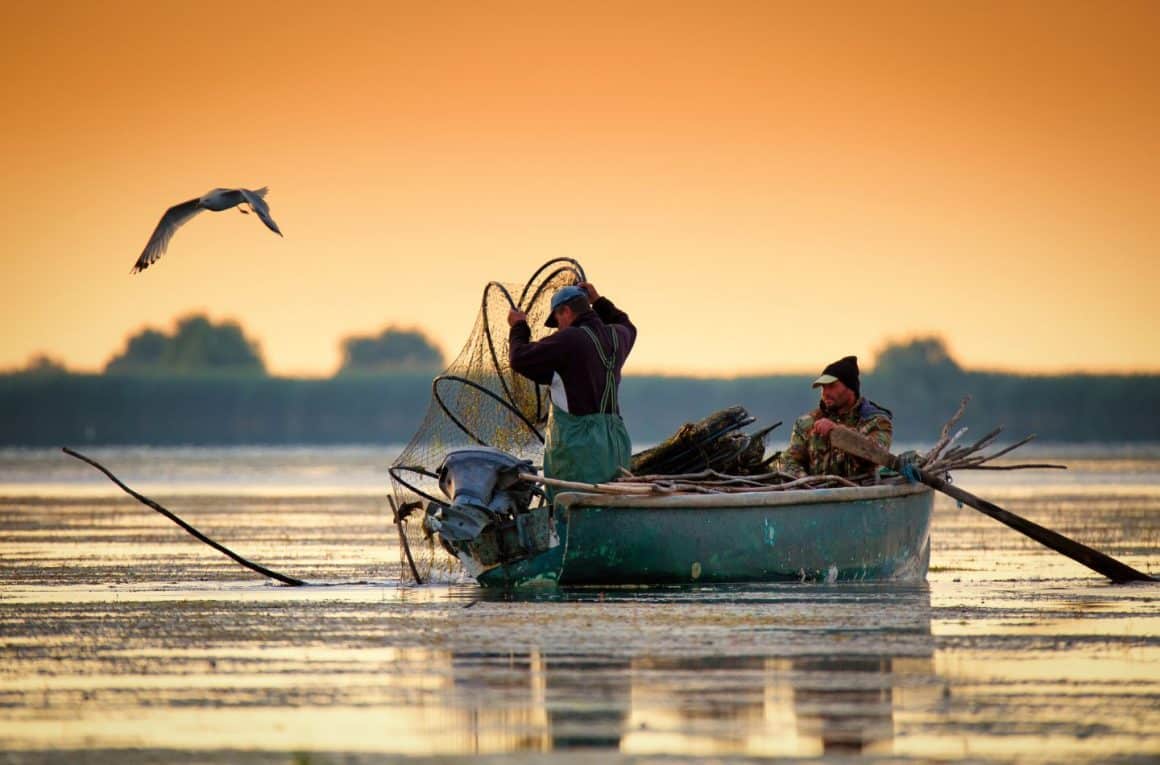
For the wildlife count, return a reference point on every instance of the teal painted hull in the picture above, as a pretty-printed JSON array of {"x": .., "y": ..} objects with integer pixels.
[{"x": 877, "y": 533}]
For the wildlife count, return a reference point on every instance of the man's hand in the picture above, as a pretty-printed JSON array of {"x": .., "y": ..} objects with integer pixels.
[
  {"x": 823, "y": 426},
  {"x": 593, "y": 295},
  {"x": 515, "y": 317}
]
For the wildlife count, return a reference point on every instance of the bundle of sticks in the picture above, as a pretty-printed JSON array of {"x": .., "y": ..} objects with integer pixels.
[
  {"x": 699, "y": 442},
  {"x": 944, "y": 456},
  {"x": 715, "y": 443}
]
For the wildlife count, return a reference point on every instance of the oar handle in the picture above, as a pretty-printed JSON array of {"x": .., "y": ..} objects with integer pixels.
[{"x": 855, "y": 443}]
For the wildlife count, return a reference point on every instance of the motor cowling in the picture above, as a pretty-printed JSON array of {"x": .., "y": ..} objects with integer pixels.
[{"x": 490, "y": 520}]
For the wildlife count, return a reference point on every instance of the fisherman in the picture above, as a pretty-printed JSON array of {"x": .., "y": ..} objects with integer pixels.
[
  {"x": 581, "y": 362},
  {"x": 841, "y": 405}
]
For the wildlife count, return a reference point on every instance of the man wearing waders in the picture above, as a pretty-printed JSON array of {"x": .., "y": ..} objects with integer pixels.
[{"x": 581, "y": 362}]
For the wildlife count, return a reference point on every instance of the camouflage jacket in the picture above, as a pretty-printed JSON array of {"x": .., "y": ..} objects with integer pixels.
[{"x": 811, "y": 454}]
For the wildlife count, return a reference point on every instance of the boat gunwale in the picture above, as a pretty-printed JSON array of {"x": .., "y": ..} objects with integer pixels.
[{"x": 764, "y": 499}]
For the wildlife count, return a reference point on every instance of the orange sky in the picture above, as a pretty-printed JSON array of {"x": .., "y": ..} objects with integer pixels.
[{"x": 764, "y": 186}]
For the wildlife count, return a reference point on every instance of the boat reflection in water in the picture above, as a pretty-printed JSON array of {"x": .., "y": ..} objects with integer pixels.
[
  {"x": 813, "y": 689},
  {"x": 806, "y": 705}
]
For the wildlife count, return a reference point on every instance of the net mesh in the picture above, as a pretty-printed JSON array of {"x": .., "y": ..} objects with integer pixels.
[{"x": 476, "y": 400}]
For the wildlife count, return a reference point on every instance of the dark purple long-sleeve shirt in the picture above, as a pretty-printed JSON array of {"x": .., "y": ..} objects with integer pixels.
[{"x": 567, "y": 360}]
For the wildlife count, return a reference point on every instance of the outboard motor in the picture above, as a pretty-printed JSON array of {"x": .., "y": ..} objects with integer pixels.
[{"x": 489, "y": 521}]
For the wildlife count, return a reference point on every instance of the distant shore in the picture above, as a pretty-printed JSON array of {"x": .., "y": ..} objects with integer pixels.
[{"x": 386, "y": 409}]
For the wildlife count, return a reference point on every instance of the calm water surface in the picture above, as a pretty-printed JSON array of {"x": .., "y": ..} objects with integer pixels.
[{"x": 122, "y": 639}]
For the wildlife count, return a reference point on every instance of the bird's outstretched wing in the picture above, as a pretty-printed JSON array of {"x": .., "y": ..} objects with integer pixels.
[
  {"x": 173, "y": 218},
  {"x": 258, "y": 204}
]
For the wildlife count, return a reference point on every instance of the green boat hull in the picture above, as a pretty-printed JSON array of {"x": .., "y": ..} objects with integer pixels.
[{"x": 875, "y": 533}]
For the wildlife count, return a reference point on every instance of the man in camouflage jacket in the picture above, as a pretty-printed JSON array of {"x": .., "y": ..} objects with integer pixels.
[{"x": 842, "y": 404}]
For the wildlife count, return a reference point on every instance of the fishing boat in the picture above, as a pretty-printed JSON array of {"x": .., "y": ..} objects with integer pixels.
[
  {"x": 871, "y": 533},
  {"x": 452, "y": 483},
  {"x": 605, "y": 536}
]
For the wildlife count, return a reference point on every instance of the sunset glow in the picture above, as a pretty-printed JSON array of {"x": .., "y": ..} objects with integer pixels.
[{"x": 763, "y": 186}]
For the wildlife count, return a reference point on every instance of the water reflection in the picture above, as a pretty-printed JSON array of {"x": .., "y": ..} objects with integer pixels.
[
  {"x": 120, "y": 635},
  {"x": 832, "y": 692}
]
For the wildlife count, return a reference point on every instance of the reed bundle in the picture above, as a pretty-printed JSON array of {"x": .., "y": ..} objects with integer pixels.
[{"x": 713, "y": 457}]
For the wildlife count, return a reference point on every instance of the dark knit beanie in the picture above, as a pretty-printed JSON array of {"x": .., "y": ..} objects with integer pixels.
[{"x": 845, "y": 371}]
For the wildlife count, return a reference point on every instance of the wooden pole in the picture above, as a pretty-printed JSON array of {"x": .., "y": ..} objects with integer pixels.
[
  {"x": 403, "y": 540},
  {"x": 192, "y": 531},
  {"x": 855, "y": 443},
  {"x": 598, "y": 488}
]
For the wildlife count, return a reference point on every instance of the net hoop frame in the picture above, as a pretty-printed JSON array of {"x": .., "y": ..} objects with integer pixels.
[{"x": 532, "y": 291}]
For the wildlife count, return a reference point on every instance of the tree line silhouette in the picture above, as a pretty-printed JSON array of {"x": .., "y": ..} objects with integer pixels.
[
  {"x": 206, "y": 383},
  {"x": 200, "y": 346}
]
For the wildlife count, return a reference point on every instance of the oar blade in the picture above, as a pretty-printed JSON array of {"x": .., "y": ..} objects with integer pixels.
[{"x": 855, "y": 443}]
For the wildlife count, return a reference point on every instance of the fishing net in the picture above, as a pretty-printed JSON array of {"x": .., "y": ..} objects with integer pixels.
[{"x": 476, "y": 400}]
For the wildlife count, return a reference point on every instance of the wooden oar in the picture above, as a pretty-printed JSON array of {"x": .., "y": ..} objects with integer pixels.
[{"x": 855, "y": 443}]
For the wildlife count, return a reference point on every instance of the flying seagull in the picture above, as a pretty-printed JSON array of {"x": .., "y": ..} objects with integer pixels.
[{"x": 216, "y": 200}]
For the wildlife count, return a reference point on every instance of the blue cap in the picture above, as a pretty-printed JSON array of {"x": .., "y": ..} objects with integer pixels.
[{"x": 560, "y": 297}]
